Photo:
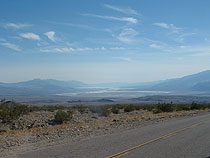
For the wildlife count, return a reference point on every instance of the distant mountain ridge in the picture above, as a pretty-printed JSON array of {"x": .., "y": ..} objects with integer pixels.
[
  {"x": 39, "y": 87},
  {"x": 196, "y": 82}
]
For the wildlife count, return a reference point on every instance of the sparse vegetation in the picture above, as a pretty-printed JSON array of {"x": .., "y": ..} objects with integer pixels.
[
  {"x": 102, "y": 110},
  {"x": 156, "y": 111},
  {"x": 195, "y": 106},
  {"x": 46, "y": 108},
  {"x": 62, "y": 116},
  {"x": 147, "y": 107},
  {"x": 129, "y": 108},
  {"x": 119, "y": 106},
  {"x": 9, "y": 113},
  {"x": 182, "y": 107},
  {"x": 82, "y": 109},
  {"x": 164, "y": 108},
  {"x": 10, "y": 110},
  {"x": 115, "y": 109}
]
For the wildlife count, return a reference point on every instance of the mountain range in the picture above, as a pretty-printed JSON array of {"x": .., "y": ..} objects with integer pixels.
[
  {"x": 39, "y": 87},
  {"x": 195, "y": 82}
]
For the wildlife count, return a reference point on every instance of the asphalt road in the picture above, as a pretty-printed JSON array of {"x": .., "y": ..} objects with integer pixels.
[{"x": 185, "y": 138}]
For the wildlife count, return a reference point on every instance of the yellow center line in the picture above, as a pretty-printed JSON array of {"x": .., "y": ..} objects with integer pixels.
[
  {"x": 121, "y": 154},
  {"x": 169, "y": 136},
  {"x": 156, "y": 139}
]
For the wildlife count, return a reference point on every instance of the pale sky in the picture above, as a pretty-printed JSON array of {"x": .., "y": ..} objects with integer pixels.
[{"x": 103, "y": 41}]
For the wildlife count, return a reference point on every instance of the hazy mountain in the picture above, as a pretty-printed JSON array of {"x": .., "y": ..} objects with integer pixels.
[
  {"x": 203, "y": 86},
  {"x": 39, "y": 87},
  {"x": 195, "y": 82},
  {"x": 49, "y": 83},
  {"x": 199, "y": 82}
]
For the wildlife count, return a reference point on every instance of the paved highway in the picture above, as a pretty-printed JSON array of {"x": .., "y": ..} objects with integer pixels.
[{"x": 184, "y": 137}]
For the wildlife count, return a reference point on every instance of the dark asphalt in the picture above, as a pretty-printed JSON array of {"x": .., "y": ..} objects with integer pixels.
[{"x": 188, "y": 138}]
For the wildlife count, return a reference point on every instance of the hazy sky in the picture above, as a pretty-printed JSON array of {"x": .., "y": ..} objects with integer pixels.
[{"x": 103, "y": 40}]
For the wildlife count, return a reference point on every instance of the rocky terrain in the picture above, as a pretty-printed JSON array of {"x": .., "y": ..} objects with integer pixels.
[{"x": 36, "y": 129}]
